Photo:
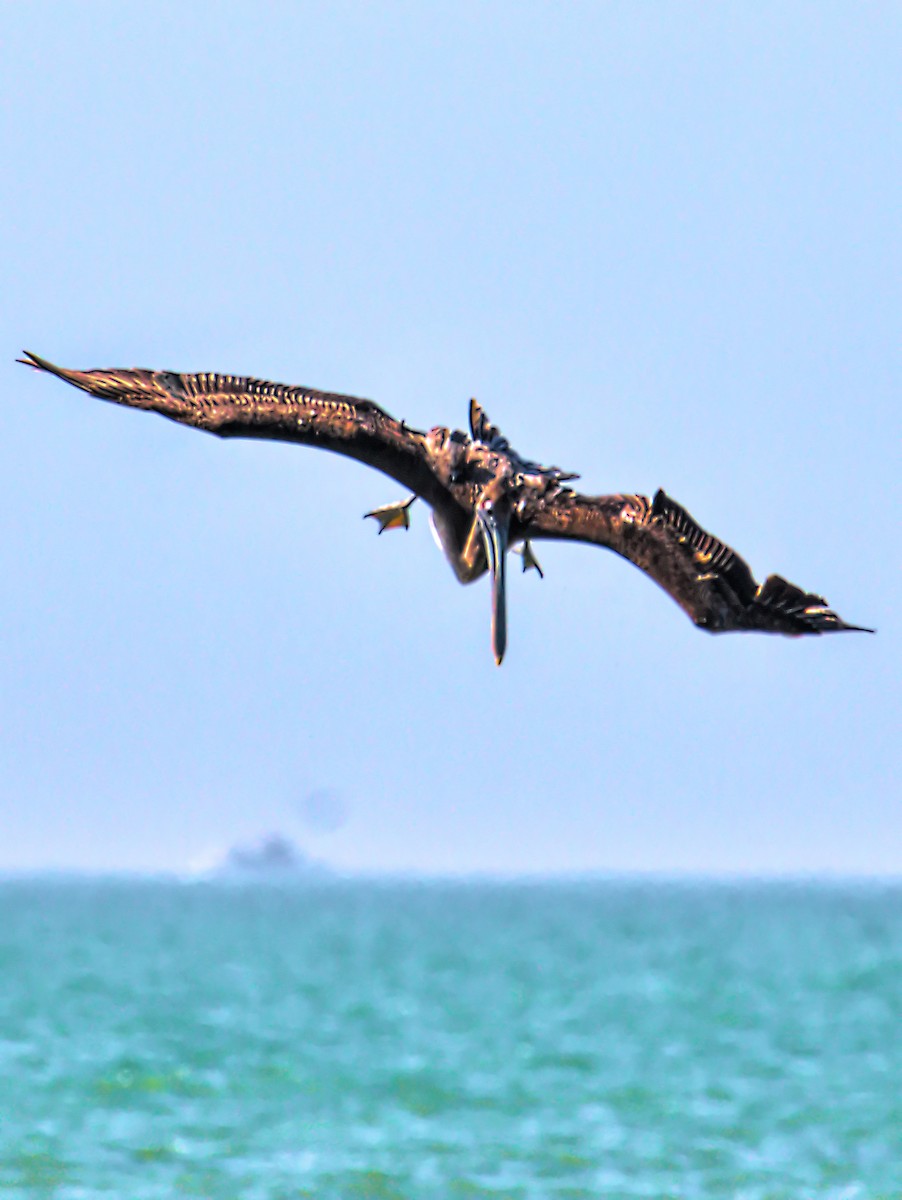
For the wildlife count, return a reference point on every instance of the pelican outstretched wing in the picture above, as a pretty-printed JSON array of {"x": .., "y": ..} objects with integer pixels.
[
  {"x": 705, "y": 577},
  {"x": 238, "y": 406},
  {"x": 708, "y": 580}
]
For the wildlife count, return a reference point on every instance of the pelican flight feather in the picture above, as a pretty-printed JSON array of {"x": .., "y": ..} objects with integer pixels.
[{"x": 485, "y": 498}]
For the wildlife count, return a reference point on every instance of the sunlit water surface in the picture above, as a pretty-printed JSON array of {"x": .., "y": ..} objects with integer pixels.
[{"x": 361, "y": 1039}]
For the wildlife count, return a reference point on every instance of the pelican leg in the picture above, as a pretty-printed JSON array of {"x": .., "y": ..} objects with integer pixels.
[{"x": 393, "y": 516}]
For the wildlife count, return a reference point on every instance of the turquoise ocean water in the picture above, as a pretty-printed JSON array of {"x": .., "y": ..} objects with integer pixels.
[{"x": 361, "y": 1039}]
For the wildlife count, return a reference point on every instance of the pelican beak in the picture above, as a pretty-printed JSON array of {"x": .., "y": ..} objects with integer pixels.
[{"x": 495, "y": 536}]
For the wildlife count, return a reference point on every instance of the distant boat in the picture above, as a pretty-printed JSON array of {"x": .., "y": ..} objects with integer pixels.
[
  {"x": 271, "y": 855},
  {"x": 485, "y": 498}
]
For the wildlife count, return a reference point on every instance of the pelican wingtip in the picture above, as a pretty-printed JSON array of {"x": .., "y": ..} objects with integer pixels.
[{"x": 42, "y": 364}]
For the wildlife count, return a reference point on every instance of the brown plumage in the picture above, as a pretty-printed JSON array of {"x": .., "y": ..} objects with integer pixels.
[{"x": 485, "y": 498}]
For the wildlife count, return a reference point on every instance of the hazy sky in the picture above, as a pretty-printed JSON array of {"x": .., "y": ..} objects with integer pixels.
[{"x": 660, "y": 243}]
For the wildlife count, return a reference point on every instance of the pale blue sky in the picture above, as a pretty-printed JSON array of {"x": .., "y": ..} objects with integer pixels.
[{"x": 658, "y": 242}]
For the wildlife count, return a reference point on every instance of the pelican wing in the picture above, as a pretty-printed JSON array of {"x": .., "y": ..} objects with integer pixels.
[
  {"x": 708, "y": 580},
  {"x": 237, "y": 406}
]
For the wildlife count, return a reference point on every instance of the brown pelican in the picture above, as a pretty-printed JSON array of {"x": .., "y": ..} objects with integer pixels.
[{"x": 485, "y": 498}]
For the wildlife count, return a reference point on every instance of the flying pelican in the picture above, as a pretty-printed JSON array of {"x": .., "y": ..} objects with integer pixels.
[{"x": 485, "y": 498}]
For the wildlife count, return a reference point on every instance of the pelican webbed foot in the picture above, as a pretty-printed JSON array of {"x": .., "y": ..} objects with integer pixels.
[
  {"x": 529, "y": 559},
  {"x": 393, "y": 516}
]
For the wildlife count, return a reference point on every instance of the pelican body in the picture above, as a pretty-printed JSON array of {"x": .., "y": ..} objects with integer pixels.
[{"x": 485, "y": 498}]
